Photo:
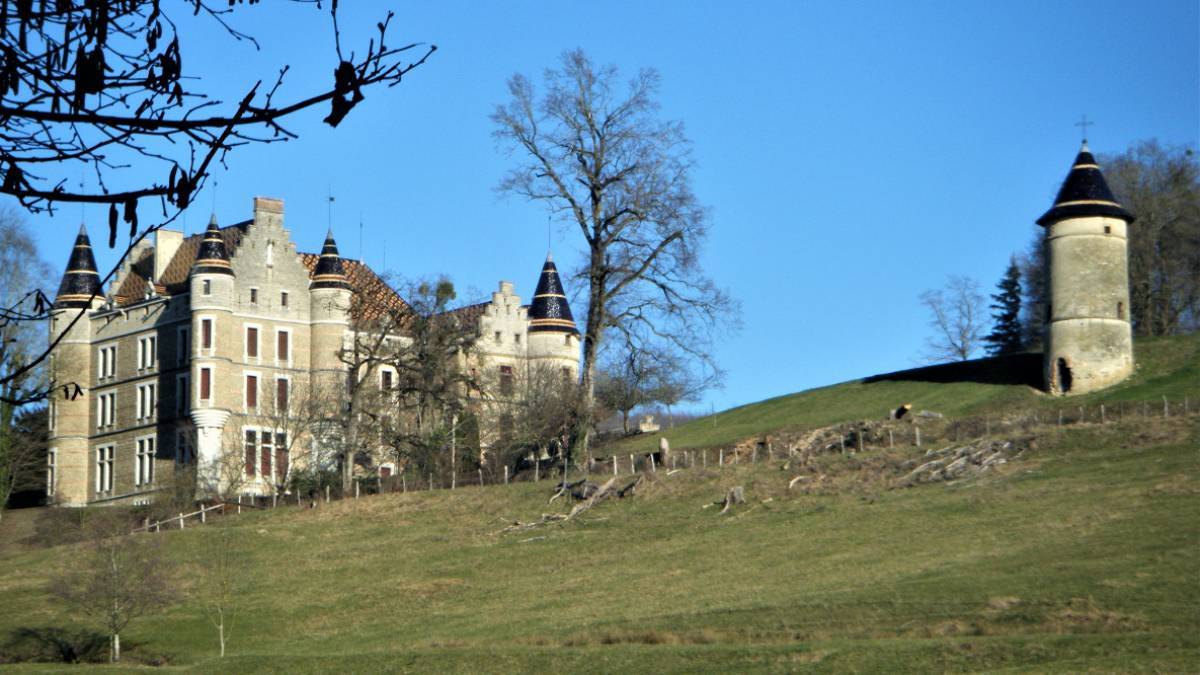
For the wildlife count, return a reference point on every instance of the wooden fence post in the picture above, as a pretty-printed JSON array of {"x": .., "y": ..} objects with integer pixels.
[
  {"x": 614, "y": 461},
  {"x": 891, "y": 441},
  {"x": 917, "y": 434},
  {"x": 326, "y": 494},
  {"x": 274, "y": 499},
  {"x": 1166, "y": 408},
  {"x": 356, "y": 489},
  {"x": 1060, "y": 417},
  {"x": 506, "y": 474},
  {"x": 721, "y": 457},
  {"x": 704, "y": 458},
  {"x": 1102, "y": 413},
  {"x": 842, "y": 443},
  {"x": 403, "y": 482},
  {"x": 480, "y": 476},
  {"x": 239, "y": 505},
  {"x": 653, "y": 466},
  {"x": 431, "y": 481},
  {"x": 859, "y": 437},
  {"x": 202, "y": 518},
  {"x": 181, "y": 521},
  {"x": 632, "y": 467}
]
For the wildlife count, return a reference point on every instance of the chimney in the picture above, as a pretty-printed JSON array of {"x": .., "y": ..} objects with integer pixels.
[
  {"x": 268, "y": 209},
  {"x": 166, "y": 244}
]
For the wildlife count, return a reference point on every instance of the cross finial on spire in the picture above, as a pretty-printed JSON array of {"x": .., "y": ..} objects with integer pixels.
[{"x": 1083, "y": 124}]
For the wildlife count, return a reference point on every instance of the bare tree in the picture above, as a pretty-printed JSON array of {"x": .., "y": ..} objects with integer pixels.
[
  {"x": 23, "y": 454},
  {"x": 123, "y": 577},
  {"x": 626, "y": 381},
  {"x": 599, "y": 157},
  {"x": 1161, "y": 186},
  {"x": 535, "y": 418},
  {"x": 101, "y": 87},
  {"x": 223, "y": 580},
  {"x": 958, "y": 316},
  {"x": 426, "y": 392}
]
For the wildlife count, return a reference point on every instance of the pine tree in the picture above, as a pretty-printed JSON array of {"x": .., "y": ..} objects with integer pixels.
[{"x": 1005, "y": 337}]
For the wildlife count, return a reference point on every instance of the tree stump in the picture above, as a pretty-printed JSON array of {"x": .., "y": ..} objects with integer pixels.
[{"x": 736, "y": 495}]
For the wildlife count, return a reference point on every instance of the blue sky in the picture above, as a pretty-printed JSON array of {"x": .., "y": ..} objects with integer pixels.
[{"x": 853, "y": 153}]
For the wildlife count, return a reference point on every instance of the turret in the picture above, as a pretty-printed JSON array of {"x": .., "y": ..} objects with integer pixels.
[
  {"x": 553, "y": 338},
  {"x": 71, "y": 362},
  {"x": 1089, "y": 337},
  {"x": 329, "y": 297},
  {"x": 215, "y": 341}
]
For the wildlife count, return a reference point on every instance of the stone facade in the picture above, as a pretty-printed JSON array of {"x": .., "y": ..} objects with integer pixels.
[{"x": 168, "y": 357}]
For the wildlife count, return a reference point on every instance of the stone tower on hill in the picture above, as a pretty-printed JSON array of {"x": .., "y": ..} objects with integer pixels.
[{"x": 1089, "y": 338}]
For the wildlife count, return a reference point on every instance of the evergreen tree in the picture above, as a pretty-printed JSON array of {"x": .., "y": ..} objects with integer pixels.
[{"x": 1005, "y": 337}]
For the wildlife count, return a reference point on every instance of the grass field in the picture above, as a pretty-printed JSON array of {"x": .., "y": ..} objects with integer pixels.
[
  {"x": 1080, "y": 556},
  {"x": 1165, "y": 366}
]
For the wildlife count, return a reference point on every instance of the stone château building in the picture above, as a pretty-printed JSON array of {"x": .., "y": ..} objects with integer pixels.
[
  {"x": 201, "y": 340},
  {"x": 1089, "y": 336}
]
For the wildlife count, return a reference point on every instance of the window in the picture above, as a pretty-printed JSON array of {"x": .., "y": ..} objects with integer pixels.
[
  {"x": 183, "y": 346},
  {"x": 106, "y": 410},
  {"x": 144, "y": 468},
  {"x": 498, "y": 338},
  {"x": 51, "y": 468},
  {"x": 147, "y": 401},
  {"x": 506, "y": 380},
  {"x": 250, "y": 452},
  {"x": 104, "y": 468},
  {"x": 206, "y": 287},
  {"x": 251, "y": 342},
  {"x": 385, "y": 379},
  {"x": 254, "y": 296},
  {"x": 206, "y": 333},
  {"x": 184, "y": 452},
  {"x": 517, "y": 338},
  {"x": 147, "y": 352},
  {"x": 283, "y": 346},
  {"x": 264, "y": 454},
  {"x": 567, "y": 339},
  {"x": 1108, "y": 229},
  {"x": 283, "y": 298},
  {"x": 1120, "y": 310},
  {"x": 282, "y": 392},
  {"x": 107, "y": 360},
  {"x": 252, "y": 391},
  {"x": 206, "y": 384},
  {"x": 182, "y": 402},
  {"x": 51, "y": 413},
  {"x": 281, "y": 458},
  {"x": 566, "y": 374}
]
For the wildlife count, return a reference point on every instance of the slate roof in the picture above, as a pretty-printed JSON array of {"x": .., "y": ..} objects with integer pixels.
[
  {"x": 80, "y": 282},
  {"x": 1084, "y": 193},
  {"x": 549, "y": 310}
]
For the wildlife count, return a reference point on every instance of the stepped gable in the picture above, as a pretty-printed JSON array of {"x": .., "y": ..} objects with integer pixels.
[
  {"x": 549, "y": 311},
  {"x": 80, "y": 282},
  {"x": 1084, "y": 193}
]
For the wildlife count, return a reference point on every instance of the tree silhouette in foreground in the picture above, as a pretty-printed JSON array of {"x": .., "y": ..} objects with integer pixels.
[{"x": 103, "y": 88}]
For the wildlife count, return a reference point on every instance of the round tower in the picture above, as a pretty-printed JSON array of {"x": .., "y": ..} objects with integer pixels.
[
  {"x": 329, "y": 298},
  {"x": 553, "y": 338},
  {"x": 71, "y": 362},
  {"x": 215, "y": 342},
  {"x": 1089, "y": 338}
]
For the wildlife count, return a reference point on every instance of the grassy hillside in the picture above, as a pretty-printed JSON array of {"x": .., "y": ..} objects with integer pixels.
[
  {"x": 1080, "y": 556},
  {"x": 1165, "y": 366}
]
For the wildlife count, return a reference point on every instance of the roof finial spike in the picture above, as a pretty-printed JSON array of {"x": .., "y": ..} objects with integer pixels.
[
  {"x": 1083, "y": 124},
  {"x": 82, "y": 230},
  {"x": 212, "y": 220}
]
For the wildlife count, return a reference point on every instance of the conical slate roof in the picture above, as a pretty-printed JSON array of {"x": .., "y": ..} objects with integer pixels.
[
  {"x": 329, "y": 272},
  {"x": 213, "y": 257},
  {"x": 549, "y": 311},
  {"x": 81, "y": 281},
  {"x": 1084, "y": 193}
]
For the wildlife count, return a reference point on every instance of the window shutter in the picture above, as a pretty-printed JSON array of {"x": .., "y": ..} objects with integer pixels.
[
  {"x": 252, "y": 342},
  {"x": 251, "y": 391},
  {"x": 205, "y": 384},
  {"x": 206, "y": 333},
  {"x": 281, "y": 346},
  {"x": 281, "y": 395}
]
